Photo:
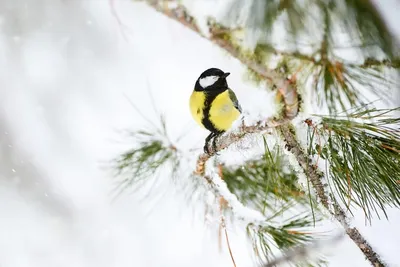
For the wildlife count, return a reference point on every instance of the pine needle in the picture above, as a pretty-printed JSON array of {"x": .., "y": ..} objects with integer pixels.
[{"x": 364, "y": 159}]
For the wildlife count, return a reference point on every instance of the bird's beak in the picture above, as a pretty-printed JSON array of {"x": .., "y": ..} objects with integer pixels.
[{"x": 226, "y": 74}]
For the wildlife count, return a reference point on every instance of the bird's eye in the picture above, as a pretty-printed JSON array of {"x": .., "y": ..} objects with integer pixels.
[{"x": 208, "y": 81}]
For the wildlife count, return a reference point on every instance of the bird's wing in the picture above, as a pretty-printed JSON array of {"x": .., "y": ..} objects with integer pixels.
[{"x": 234, "y": 100}]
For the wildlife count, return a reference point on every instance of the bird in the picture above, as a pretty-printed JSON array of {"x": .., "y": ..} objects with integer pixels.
[{"x": 213, "y": 105}]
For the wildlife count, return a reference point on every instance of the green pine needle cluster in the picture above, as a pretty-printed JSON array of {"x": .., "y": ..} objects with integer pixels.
[
  {"x": 363, "y": 152},
  {"x": 259, "y": 182},
  {"x": 343, "y": 85},
  {"x": 292, "y": 232},
  {"x": 271, "y": 187},
  {"x": 152, "y": 152},
  {"x": 362, "y": 18},
  {"x": 337, "y": 83}
]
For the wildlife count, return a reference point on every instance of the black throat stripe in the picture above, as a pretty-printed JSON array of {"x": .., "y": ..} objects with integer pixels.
[{"x": 210, "y": 97}]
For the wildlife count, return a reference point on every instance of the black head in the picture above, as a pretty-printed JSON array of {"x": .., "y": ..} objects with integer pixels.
[{"x": 212, "y": 79}]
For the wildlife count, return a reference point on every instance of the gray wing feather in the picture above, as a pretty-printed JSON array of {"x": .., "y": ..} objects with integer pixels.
[{"x": 234, "y": 100}]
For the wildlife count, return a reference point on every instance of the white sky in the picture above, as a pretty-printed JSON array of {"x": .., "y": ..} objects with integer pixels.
[{"x": 66, "y": 72}]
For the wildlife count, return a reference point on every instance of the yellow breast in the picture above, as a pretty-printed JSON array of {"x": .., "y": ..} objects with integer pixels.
[
  {"x": 196, "y": 106},
  {"x": 222, "y": 112}
]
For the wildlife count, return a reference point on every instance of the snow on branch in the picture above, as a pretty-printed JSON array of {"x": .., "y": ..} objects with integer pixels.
[{"x": 240, "y": 211}]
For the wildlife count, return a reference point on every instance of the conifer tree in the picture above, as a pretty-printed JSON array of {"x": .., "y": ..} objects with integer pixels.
[{"x": 309, "y": 166}]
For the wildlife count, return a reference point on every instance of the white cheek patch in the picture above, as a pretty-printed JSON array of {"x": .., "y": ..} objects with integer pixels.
[{"x": 208, "y": 81}]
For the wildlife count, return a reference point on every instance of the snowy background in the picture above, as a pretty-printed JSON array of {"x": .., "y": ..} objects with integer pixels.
[{"x": 68, "y": 70}]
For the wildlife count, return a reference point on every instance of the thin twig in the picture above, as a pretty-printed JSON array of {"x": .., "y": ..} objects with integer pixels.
[
  {"x": 227, "y": 240},
  {"x": 121, "y": 25},
  {"x": 222, "y": 206}
]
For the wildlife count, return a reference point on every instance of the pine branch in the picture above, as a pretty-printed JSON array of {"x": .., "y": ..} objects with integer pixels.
[
  {"x": 252, "y": 184},
  {"x": 315, "y": 177},
  {"x": 342, "y": 84},
  {"x": 340, "y": 81},
  {"x": 312, "y": 173},
  {"x": 261, "y": 183},
  {"x": 262, "y": 229},
  {"x": 363, "y": 151},
  {"x": 152, "y": 152},
  {"x": 369, "y": 24},
  {"x": 290, "y": 99},
  {"x": 229, "y": 139}
]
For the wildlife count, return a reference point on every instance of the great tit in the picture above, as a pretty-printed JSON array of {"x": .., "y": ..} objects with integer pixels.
[{"x": 213, "y": 105}]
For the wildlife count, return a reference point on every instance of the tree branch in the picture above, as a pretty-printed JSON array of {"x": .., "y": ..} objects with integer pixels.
[
  {"x": 226, "y": 140},
  {"x": 291, "y": 108},
  {"x": 242, "y": 212},
  {"x": 334, "y": 209}
]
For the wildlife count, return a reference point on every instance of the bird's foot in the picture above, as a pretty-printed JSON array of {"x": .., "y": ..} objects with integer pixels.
[
  {"x": 206, "y": 150},
  {"x": 206, "y": 147},
  {"x": 213, "y": 137},
  {"x": 214, "y": 144}
]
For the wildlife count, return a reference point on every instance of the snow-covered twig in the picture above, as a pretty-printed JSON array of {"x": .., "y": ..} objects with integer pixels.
[
  {"x": 240, "y": 211},
  {"x": 234, "y": 137}
]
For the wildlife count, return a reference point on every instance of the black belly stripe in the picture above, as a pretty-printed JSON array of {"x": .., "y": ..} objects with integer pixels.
[{"x": 210, "y": 97}]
